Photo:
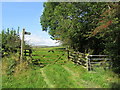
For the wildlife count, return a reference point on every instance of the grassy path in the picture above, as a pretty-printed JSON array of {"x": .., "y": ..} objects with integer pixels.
[
  {"x": 74, "y": 76},
  {"x": 59, "y": 76},
  {"x": 57, "y": 73},
  {"x": 50, "y": 85},
  {"x": 70, "y": 71},
  {"x": 77, "y": 76}
]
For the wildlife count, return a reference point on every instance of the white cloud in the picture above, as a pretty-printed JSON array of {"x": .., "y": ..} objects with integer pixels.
[{"x": 37, "y": 40}]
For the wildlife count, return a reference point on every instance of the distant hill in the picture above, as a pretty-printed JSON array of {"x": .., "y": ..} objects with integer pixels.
[{"x": 44, "y": 46}]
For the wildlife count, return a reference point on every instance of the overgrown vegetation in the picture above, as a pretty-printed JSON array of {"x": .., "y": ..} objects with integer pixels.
[
  {"x": 11, "y": 42},
  {"x": 88, "y": 27},
  {"x": 58, "y": 74}
]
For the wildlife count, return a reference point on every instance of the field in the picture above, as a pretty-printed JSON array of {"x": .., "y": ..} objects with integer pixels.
[{"x": 52, "y": 69}]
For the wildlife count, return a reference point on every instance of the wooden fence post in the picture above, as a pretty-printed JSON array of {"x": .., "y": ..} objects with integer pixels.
[
  {"x": 22, "y": 44},
  {"x": 68, "y": 53},
  {"x": 87, "y": 65}
]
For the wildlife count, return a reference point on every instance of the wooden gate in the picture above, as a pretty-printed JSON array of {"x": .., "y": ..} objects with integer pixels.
[{"x": 45, "y": 56}]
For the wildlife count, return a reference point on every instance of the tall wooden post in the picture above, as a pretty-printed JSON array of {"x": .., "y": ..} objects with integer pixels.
[
  {"x": 87, "y": 62},
  {"x": 68, "y": 53},
  {"x": 87, "y": 66},
  {"x": 22, "y": 44}
]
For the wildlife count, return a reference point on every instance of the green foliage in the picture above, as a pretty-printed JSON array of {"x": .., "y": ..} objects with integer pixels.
[
  {"x": 111, "y": 35},
  {"x": 55, "y": 75},
  {"x": 88, "y": 27},
  {"x": 9, "y": 64},
  {"x": 72, "y": 23},
  {"x": 10, "y": 41},
  {"x": 75, "y": 74}
]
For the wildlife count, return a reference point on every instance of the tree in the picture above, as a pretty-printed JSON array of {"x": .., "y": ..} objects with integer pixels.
[
  {"x": 109, "y": 31},
  {"x": 72, "y": 22},
  {"x": 10, "y": 42},
  {"x": 86, "y": 27}
]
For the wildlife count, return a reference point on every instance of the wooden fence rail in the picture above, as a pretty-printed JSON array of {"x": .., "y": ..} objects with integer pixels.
[
  {"x": 101, "y": 60},
  {"x": 89, "y": 61}
]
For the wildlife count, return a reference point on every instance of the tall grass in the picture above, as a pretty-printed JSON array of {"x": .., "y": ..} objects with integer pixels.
[{"x": 60, "y": 73}]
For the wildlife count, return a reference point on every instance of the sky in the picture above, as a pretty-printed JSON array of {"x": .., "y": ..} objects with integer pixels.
[{"x": 26, "y": 15}]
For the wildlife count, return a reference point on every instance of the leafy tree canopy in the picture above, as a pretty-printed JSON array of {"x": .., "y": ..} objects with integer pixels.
[{"x": 88, "y": 27}]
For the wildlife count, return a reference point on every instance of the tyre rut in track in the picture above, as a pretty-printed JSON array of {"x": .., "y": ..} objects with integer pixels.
[{"x": 46, "y": 79}]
